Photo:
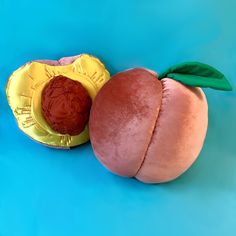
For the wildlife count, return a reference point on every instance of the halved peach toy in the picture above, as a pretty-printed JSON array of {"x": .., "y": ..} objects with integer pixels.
[
  {"x": 153, "y": 127},
  {"x": 51, "y": 100}
]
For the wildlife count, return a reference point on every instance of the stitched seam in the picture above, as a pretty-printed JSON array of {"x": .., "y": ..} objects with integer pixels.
[{"x": 164, "y": 94}]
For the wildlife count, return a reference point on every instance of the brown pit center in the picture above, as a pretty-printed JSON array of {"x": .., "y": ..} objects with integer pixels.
[{"x": 66, "y": 105}]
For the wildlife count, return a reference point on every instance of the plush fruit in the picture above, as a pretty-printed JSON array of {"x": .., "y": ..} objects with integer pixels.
[
  {"x": 51, "y": 100},
  {"x": 152, "y": 129}
]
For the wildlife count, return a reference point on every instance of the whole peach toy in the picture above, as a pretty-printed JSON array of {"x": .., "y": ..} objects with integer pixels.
[{"x": 149, "y": 127}]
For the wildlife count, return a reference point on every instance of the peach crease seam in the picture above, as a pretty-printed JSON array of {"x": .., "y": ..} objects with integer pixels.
[{"x": 154, "y": 128}]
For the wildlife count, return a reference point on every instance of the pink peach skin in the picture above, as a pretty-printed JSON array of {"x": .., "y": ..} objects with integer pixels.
[
  {"x": 146, "y": 128},
  {"x": 61, "y": 62}
]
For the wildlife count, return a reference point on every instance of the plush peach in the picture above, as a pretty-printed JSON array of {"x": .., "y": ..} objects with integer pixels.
[
  {"x": 51, "y": 100},
  {"x": 147, "y": 128}
]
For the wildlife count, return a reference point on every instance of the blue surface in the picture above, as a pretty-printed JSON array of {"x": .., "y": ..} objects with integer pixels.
[{"x": 47, "y": 192}]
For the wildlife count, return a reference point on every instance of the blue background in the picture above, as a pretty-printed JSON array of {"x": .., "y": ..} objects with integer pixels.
[{"x": 47, "y": 192}]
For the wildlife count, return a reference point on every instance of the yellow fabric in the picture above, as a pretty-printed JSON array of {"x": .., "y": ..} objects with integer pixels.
[{"x": 24, "y": 91}]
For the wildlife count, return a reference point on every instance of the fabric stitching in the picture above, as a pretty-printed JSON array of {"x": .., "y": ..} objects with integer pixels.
[{"x": 163, "y": 99}]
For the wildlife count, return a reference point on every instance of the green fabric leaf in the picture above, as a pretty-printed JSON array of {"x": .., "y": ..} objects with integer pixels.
[{"x": 198, "y": 75}]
